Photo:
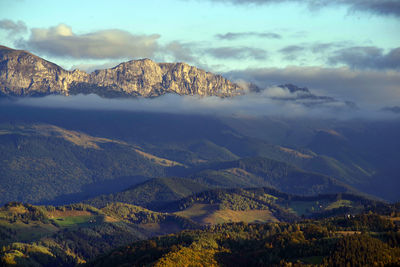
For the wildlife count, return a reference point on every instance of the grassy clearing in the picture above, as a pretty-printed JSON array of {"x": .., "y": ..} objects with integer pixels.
[
  {"x": 309, "y": 207},
  {"x": 77, "y": 221},
  {"x": 248, "y": 216},
  {"x": 210, "y": 214},
  {"x": 72, "y": 218},
  {"x": 305, "y": 207},
  {"x": 68, "y": 213},
  {"x": 339, "y": 203},
  {"x": 198, "y": 212}
]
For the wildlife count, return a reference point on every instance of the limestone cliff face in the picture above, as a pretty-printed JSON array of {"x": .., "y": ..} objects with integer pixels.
[
  {"x": 22, "y": 73},
  {"x": 188, "y": 80}
]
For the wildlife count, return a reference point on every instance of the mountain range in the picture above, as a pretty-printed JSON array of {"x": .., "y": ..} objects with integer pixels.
[{"x": 24, "y": 74}]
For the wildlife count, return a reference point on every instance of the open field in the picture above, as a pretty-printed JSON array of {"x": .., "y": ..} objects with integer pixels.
[
  {"x": 210, "y": 214},
  {"x": 77, "y": 221}
]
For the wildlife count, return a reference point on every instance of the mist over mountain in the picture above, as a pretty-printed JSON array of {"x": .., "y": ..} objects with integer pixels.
[{"x": 273, "y": 101}]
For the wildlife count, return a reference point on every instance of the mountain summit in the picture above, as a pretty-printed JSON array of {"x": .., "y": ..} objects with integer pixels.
[{"x": 24, "y": 74}]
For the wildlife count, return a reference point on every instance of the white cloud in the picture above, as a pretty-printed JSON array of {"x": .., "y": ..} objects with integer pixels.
[
  {"x": 63, "y": 42},
  {"x": 278, "y": 92}
]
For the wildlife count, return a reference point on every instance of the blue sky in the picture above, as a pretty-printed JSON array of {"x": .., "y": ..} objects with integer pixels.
[{"x": 248, "y": 37}]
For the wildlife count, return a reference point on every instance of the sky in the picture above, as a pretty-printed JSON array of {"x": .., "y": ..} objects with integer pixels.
[{"x": 348, "y": 49}]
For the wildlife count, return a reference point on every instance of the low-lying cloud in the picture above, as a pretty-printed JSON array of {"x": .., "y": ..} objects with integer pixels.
[
  {"x": 369, "y": 87},
  {"x": 251, "y": 104}
]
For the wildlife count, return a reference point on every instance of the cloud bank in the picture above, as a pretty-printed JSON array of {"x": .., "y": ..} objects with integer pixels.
[
  {"x": 370, "y": 57},
  {"x": 252, "y": 104},
  {"x": 112, "y": 44},
  {"x": 61, "y": 41}
]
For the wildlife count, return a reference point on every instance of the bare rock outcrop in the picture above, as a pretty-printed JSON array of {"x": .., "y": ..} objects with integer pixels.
[{"x": 22, "y": 74}]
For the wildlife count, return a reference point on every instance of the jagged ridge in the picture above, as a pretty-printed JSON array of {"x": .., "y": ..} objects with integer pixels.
[{"x": 22, "y": 73}]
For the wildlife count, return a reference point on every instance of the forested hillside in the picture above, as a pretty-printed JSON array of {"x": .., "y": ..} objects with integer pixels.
[
  {"x": 197, "y": 142},
  {"x": 78, "y": 233},
  {"x": 364, "y": 240}
]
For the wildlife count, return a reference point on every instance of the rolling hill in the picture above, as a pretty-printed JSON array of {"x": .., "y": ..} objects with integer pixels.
[
  {"x": 265, "y": 205},
  {"x": 261, "y": 171},
  {"x": 249, "y": 172},
  {"x": 196, "y": 139},
  {"x": 41, "y": 162},
  {"x": 152, "y": 194}
]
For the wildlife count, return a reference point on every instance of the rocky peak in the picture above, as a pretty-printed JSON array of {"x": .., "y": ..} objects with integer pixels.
[{"x": 22, "y": 73}]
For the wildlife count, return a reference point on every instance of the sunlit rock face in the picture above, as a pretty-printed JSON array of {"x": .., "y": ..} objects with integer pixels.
[{"x": 22, "y": 73}]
